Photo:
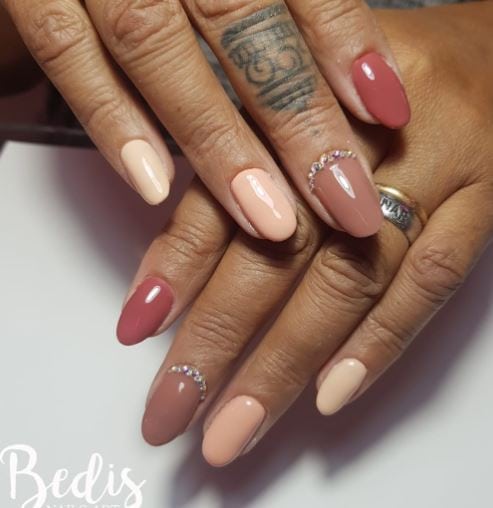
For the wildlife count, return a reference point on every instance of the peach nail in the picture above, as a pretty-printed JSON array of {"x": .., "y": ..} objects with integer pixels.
[
  {"x": 341, "y": 383},
  {"x": 232, "y": 430},
  {"x": 264, "y": 204},
  {"x": 146, "y": 171}
]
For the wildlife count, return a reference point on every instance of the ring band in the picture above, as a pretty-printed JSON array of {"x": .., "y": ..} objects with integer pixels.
[{"x": 402, "y": 211}]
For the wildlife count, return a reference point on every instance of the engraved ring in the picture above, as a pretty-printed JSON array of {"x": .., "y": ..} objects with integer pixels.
[{"x": 402, "y": 211}]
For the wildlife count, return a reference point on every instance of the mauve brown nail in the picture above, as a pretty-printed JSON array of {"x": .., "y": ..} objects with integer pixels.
[
  {"x": 172, "y": 404},
  {"x": 343, "y": 188}
]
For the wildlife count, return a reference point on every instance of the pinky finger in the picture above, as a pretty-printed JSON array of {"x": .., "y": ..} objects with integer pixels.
[
  {"x": 63, "y": 41},
  {"x": 434, "y": 267}
]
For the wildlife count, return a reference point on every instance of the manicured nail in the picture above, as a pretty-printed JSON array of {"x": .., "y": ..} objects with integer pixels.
[
  {"x": 264, "y": 204},
  {"x": 145, "y": 311},
  {"x": 232, "y": 430},
  {"x": 341, "y": 383},
  {"x": 341, "y": 185},
  {"x": 146, "y": 171},
  {"x": 381, "y": 90},
  {"x": 172, "y": 404}
]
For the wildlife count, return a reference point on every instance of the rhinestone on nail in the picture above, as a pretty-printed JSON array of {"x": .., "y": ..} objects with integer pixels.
[
  {"x": 326, "y": 159},
  {"x": 194, "y": 373}
]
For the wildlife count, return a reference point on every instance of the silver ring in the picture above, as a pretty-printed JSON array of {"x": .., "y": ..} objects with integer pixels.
[{"x": 402, "y": 211}]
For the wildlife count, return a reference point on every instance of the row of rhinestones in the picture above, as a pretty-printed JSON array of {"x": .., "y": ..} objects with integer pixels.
[
  {"x": 327, "y": 158},
  {"x": 193, "y": 373}
]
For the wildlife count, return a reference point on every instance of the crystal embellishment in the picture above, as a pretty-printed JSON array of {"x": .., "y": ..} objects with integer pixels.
[
  {"x": 327, "y": 159},
  {"x": 194, "y": 373}
]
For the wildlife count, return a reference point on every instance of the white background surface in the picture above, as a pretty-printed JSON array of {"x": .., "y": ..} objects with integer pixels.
[{"x": 72, "y": 236}]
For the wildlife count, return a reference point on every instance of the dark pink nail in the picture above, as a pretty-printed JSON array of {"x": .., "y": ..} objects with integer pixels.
[
  {"x": 381, "y": 91},
  {"x": 145, "y": 311}
]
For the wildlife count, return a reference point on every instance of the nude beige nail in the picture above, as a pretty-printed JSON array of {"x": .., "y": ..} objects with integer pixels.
[
  {"x": 232, "y": 430},
  {"x": 264, "y": 204},
  {"x": 341, "y": 383},
  {"x": 146, "y": 171}
]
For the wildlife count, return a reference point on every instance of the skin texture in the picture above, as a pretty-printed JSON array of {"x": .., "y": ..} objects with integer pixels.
[
  {"x": 84, "y": 48},
  {"x": 347, "y": 307}
]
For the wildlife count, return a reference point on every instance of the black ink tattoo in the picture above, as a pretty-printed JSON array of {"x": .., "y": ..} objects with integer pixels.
[{"x": 268, "y": 47}]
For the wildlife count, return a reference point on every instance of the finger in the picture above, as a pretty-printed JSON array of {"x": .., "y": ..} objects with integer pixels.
[
  {"x": 354, "y": 57},
  {"x": 271, "y": 69},
  {"x": 176, "y": 266},
  {"x": 156, "y": 46},
  {"x": 243, "y": 293},
  {"x": 435, "y": 266},
  {"x": 345, "y": 280},
  {"x": 61, "y": 38}
]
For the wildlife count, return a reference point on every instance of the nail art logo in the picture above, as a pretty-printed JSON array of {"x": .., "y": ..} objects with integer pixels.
[{"x": 97, "y": 486}]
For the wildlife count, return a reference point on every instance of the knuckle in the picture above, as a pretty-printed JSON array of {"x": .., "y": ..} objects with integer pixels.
[
  {"x": 105, "y": 106},
  {"x": 336, "y": 16},
  {"x": 280, "y": 367},
  {"x": 189, "y": 240},
  {"x": 212, "y": 10},
  {"x": 212, "y": 130},
  {"x": 53, "y": 31},
  {"x": 214, "y": 330},
  {"x": 136, "y": 23},
  {"x": 418, "y": 62},
  {"x": 347, "y": 277},
  {"x": 389, "y": 337},
  {"x": 436, "y": 271}
]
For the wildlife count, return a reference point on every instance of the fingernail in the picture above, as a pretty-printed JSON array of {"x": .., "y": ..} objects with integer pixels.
[
  {"x": 381, "y": 90},
  {"x": 145, "y": 311},
  {"x": 232, "y": 430},
  {"x": 264, "y": 204},
  {"x": 341, "y": 185},
  {"x": 146, "y": 170},
  {"x": 341, "y": 383},
  {"x": 172, "y": 404}
]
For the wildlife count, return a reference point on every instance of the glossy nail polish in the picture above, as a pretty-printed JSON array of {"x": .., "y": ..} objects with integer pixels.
[
  {"x": 345, "y": 190},
  {"x": 340, "y": 384},
  {"x": 264, "y": 204},
  {"x": 146, "y": 171},
  {"x": 145, "y": 311},
  {"x": 381, "y": 91},
  {"x": 172, "y": 404},
  {"x": 232, "y": 430}
]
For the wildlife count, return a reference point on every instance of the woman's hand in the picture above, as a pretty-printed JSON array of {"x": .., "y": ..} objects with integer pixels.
[
  {"x": 360, "y": 302},
  {"x": 285, "y": 80}
]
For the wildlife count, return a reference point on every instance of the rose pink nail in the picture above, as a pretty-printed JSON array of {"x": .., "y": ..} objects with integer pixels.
[
  {"x": 172, "y": 404},
  {"x": 145, "y": 311},
  {"x": 381, "y": 90},
  {"x": 343, "y": 188}
]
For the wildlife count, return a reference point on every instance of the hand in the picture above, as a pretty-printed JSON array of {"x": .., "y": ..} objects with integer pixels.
[
  {"x": 360, "y": 302},
  {"x": 261, "y": 48}
]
